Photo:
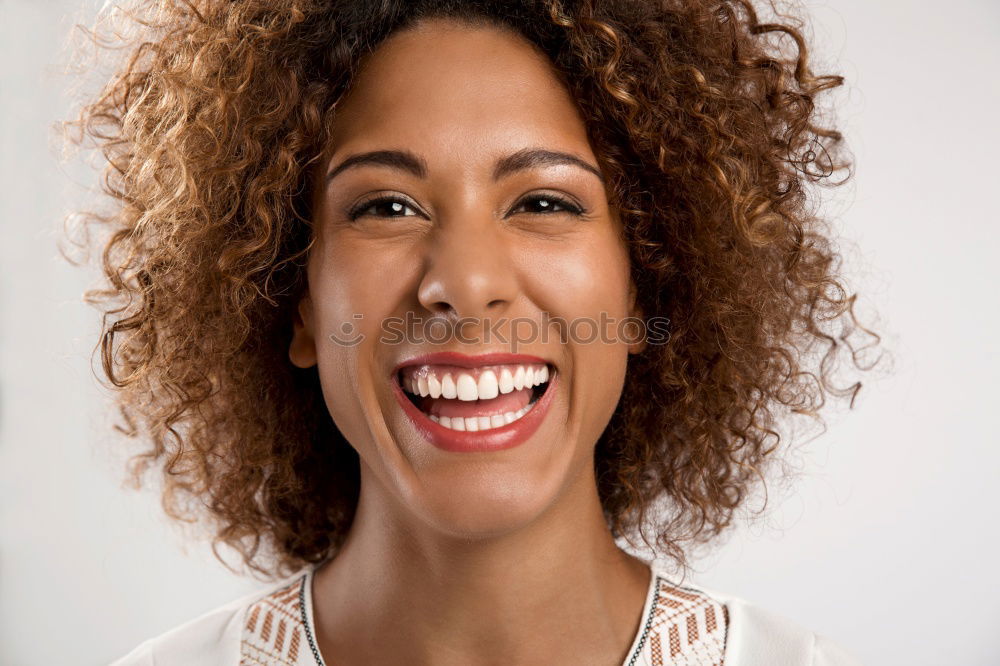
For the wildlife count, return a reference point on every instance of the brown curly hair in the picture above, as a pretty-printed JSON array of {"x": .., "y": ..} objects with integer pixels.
[{"x": 709, "y": 135}]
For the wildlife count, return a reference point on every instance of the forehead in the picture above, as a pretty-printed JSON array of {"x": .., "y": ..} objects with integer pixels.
[{"x": 444, "y": 88}]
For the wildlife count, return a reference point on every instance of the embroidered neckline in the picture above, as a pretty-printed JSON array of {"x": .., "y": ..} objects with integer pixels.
[
  {"x": 682, "y": 626},
  {"x": 655, "y": 583},
  {"x": 305, "y": 599}
]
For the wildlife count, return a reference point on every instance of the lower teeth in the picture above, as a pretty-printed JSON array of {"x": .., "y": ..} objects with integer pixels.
[{"x": 476, "y": 423}]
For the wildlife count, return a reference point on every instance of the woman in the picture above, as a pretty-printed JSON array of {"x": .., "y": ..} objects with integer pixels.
[{"x": 424, "y": 304}]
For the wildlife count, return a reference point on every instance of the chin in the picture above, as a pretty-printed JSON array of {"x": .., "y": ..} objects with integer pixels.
[{"x": 473, "y": 507}]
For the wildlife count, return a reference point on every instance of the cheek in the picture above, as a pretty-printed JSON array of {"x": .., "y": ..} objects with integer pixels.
[
  {"x": 583, "y": 279},
  {"x": 587, "y": 286},
  {"x": 356, "y": 286},
  {"x": 353, "y": 291}
]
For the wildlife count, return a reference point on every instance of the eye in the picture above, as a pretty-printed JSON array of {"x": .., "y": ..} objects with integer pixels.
[
  {"x": 384, "y": 206},
  {"x": 546, "y": 204}
]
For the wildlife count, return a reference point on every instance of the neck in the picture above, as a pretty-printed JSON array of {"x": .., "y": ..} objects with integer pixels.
[{"x": 400, "y": 592}]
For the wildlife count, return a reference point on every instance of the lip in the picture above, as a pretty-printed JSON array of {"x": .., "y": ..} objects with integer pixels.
[
  {"x": 494, "y": 439},
  {"x": 467, "y": 361}
]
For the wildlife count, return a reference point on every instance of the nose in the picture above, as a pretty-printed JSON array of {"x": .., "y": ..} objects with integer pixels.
[{"x": 469, "y": 271}]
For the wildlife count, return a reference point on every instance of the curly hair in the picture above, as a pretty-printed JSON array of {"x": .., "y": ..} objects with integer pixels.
[{"x": 708, "y": 131}]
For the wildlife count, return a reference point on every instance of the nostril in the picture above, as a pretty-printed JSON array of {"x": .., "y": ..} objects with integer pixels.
[{"x": 439, "y": 308}]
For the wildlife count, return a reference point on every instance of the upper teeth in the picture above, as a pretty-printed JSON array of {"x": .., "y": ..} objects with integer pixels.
[{"x": 482, "y": 385}]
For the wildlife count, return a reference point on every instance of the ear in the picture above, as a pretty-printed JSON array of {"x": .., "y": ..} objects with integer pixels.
[
  {"x": 635, "y": 311},
  {"x": 302, "y": 350}
]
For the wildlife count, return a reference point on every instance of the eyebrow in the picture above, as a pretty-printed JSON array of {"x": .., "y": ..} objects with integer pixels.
[{"x": 404, "y": 160}]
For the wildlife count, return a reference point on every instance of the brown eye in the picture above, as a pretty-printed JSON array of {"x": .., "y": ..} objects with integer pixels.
[
  {"x": 547, "y": 203},
  {"x": 381, "y": 207}
]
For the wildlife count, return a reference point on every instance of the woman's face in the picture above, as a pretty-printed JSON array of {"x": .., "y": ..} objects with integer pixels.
[{"x": 454, "y": 221}]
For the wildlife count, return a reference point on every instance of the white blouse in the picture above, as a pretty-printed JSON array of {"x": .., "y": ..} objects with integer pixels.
[{"x": 685, "y": 625}]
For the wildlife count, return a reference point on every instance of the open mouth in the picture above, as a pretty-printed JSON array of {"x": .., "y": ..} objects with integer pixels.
[{"x": 475, "y": 399}]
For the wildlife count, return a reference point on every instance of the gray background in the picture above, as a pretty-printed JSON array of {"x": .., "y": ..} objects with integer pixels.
[{"x": 887, "y": 543}]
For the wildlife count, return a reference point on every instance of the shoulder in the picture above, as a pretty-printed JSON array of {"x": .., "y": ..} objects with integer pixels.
[
  {"x": 215, "y": 638},
  {"x": 751, "y": 635}
]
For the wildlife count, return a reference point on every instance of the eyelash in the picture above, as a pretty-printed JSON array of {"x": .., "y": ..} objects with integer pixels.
[{"x": 363, "y": 207}]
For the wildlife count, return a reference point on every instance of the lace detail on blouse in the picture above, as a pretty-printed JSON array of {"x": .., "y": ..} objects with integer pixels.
[
  {"x": 684, "y": 627},
  {"x": 275, "y": 630}
]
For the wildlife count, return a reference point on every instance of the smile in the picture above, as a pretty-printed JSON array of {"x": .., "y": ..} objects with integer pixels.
[
  {"x": 475, "y": 399},
  {"x": 472, "y": 403}
]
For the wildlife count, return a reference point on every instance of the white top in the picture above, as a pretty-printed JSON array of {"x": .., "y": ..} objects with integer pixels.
[{"x": 687, "y": 625}]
